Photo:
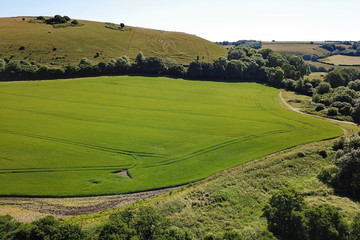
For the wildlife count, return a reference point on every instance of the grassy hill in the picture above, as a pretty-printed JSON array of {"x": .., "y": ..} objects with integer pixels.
[
  {"x": 39, "y": 42},
  {"x": 73, "y": 136}
]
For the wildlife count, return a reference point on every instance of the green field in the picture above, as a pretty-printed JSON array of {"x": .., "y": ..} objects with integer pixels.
[
  {"x": 60, "y": 46},
  {"x": 68, "y": 137}
]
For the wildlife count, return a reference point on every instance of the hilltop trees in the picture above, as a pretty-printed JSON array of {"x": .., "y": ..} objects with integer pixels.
[{"x": 57, "y": 19}]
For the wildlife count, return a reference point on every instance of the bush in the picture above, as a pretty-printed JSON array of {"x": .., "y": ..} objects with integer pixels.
[
  {"x": 177, "y": 71},
  {"x": 284, "y": 214},
  {"x": 319, "y": 107},
  {"x": 339, "y": 144},
  {"x": 300, "y": 154},
  {"x": 323, "y": 153},
  {"x": 332, "y": 111},
  {"x": 323, "y": 87},
  {"x": 347, "y": 181},
  {"x": 355, "y": 228},
  {"x": 326, "y": 223},
  {"x": 328, "y": 174}
]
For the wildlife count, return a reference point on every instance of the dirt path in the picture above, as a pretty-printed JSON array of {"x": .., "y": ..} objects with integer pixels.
[
  {"x": 299, "y": 111},
  {"x": 29, "y": 209}
]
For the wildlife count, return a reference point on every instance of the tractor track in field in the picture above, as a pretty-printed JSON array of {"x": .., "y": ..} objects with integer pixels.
[
  {"x": 214, "y": 148},
  {"x": 80, "y": 144}
]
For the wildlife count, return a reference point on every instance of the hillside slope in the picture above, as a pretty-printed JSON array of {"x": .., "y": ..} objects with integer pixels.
[{"x": 39, "y": 42}]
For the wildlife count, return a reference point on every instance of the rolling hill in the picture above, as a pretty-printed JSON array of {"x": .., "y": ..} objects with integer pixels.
[{"x": 27, "y": 39}]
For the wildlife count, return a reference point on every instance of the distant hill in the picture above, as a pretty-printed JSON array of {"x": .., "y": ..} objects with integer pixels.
[{"x": 23, "y": 38}]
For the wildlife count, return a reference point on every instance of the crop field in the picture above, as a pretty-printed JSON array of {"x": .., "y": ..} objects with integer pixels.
[
  {"x": 295, "y": 48},
  {"x": 109, "y": 135},
  {"x": 341, "y": 59},
  {"x": 45, "y": 44}
]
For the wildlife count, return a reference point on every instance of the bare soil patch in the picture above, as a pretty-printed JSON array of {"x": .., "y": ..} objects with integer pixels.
[{"x": 30, "y": 209}]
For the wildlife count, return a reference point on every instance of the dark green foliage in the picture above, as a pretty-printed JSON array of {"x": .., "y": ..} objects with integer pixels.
[
  {"x": 319, "y": 107},
  {"x": 332, "y": 47},
  {"x": 332, "y": 111},
  {"x": 7, "y": 225},
  {"x": 40, "y": 18},
  {"x": 326, "y": 223},
  {"x": 354, "y": 85},
  {"x": 143, "y": 223},
  {"x": 289, "y": 84},
  {"x": 153, "y": 65},
  {"x": 347, "y": 181},
  {"x": 328, "y": 174},
  {"x": 323, "y": 153},
  {"x": 57, "y": 19},
  {"x": 243, "y": 43},
  {"x": 231, "y": 236},
  {"x": 114, "y": 230},
  {"x": 275, "y": 76},
  {"x": 355, "y": 228},
  {"x": 343, "y": 107},
  {"x": 336, "y": 79},
  {"x": 323, "y": 87},
  {"x": 355, "y": 114},
  {"x": 177, "y": 71},
  {"x": 21, "y": 48},
  {"x": 47, "y": 228},
  {"x": 339, "y": 144},
  {"x": 284, "y": 214},
  {"x": 75, "y": 22}
]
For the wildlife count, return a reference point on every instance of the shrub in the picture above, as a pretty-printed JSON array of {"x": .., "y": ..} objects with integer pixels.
[
  {"x": 355, "y": 114},
  {"x": 319, "y": 107},
  {"x": 74, "y": 22},
  {"x": 177, "y": 71},
  {"x": 328, "y": 174},
  {"x": 326, "y": 223},
  {"x": 323, "y": 153},
  {"x": 332, "y": 111},
  {"x": 323, "y": 87},
  {"x": 300, "y": 154},
  {"x": 339, "y": 144},
  {"x": 21, "y": 48},
  {"x": 284, "y": 214},
  {"x": 347, "y": 181},
  {"x": 355, "y": 228}
]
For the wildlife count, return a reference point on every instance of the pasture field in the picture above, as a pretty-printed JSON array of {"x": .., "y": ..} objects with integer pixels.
[
  {"x": 295, "y": 48},
  {"x": 316, "y": 75},
  {"x": 342, "y": 60},
  {"x": 59, "y": 46},
  {"x": 70, "y": 137}
]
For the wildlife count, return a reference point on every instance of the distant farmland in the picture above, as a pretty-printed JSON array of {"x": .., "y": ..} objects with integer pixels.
[
  {"x": 342, "y": 60},
  {"x": 79, "y": 137},
  {"x": 295, "y": 48}
]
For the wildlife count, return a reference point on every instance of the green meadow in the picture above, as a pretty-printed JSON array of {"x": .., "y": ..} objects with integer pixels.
[{"x": 72, "y": 137}]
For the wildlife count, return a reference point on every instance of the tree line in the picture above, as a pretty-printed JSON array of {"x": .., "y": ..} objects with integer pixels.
[{"x": 241, "y": 64}]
